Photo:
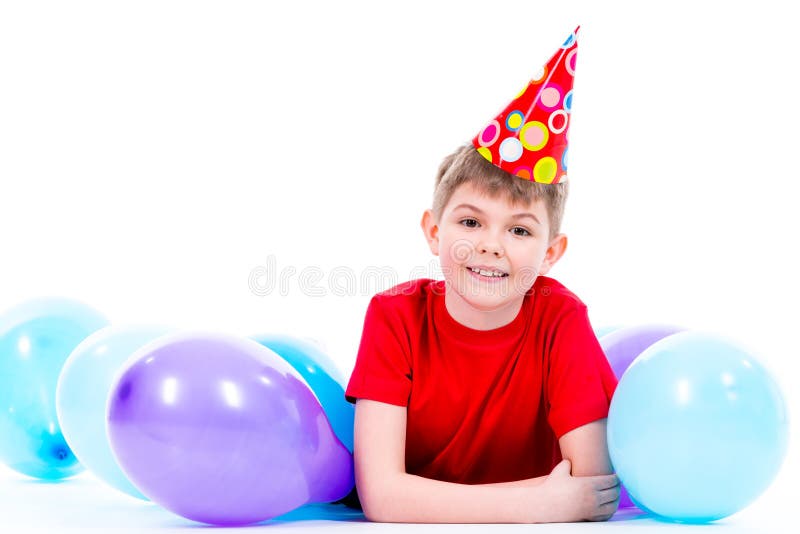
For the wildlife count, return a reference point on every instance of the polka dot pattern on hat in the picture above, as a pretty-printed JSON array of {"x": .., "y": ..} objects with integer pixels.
[{"x": 529, "y": 138}]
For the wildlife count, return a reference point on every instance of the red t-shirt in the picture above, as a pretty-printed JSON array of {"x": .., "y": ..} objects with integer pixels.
[{"x": 483, "y": 406}]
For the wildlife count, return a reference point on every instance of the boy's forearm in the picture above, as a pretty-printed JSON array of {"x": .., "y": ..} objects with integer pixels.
[{"x": 415, "y": 499}]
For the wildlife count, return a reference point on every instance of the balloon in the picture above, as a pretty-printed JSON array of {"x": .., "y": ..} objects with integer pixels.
[
  {"x": 622, "y": 346},
  {"x": 36, "y": 337},
  {"x": 309, "y": 359},
  {"x": 697, "y": 428},
  {"x": 222, "y": 430},
  {"x": 605, "y": 330},
  {"x": 82, "y": 394}
]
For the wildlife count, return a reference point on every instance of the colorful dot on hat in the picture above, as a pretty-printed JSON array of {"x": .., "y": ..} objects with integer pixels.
[
  {"x": 514, "y": 120},
  {"x": 489, "y": 134},
  {"x": 569, "y": 63},
  {"x": 540, "y": 75},
  {"x": 550, "y": 97},
  {"x": 486, "y": 153},
  {"x": 523, "y": 172},
  {"x": 545, "y": 170},
  {"x": 557, "y": 121},
  {"x": 564, "y": 159},
  {"x": 510, "y": 149},
  {"x": 534, "y": 135},
  {"x": 568, "y": 102},
  {"x": 569, "y": 41}
]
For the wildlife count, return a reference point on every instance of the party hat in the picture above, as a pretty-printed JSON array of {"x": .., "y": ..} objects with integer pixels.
[{"x": 529, "y": 138}]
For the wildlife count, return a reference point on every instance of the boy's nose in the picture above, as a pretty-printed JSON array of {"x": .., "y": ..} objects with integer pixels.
[{"x": 490, "y": 248}]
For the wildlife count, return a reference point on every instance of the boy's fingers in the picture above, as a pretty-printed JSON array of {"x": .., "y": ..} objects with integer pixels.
[
  {"x": 606, "y": 481},
  {"x": 608, "y": 496}
]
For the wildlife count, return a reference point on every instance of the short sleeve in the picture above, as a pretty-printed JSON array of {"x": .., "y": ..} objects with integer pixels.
[
  {"x": 382, "y": 371},
  {"x": 580, "y": 381}
]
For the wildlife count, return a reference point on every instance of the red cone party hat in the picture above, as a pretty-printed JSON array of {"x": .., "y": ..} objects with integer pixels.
[{"x": 529, "y": 138}]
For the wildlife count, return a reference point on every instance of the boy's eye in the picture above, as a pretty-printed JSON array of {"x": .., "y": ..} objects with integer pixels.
[
  {"x": 523, "y": 229},
  {"x": 525, "y": 232}
]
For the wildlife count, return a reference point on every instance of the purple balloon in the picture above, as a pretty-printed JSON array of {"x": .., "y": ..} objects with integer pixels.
[
  {"x": 621, "y": 347},
  {"x": 222, "y": 430}
]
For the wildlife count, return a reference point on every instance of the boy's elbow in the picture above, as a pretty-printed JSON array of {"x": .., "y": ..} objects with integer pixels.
[
  {"x": 372, "y": 505},
  {"x": 371, "y": 516},
  {"x": 369, "y": 509},
  {"x": 375, "y": 512},
  {"x": 379, "y": 502}
]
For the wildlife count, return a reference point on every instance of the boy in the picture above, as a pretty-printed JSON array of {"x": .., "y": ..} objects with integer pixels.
[{"x": 482, "y": 397}]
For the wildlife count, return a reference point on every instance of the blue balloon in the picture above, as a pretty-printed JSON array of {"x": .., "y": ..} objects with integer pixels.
[
  {"x": 697, "y": 428},
  {"x": 82, "y": 396},
  {"x": 36, "y": 337},
  {"x": 605, "y": 330},
  {"x": 325, "y": 379}
]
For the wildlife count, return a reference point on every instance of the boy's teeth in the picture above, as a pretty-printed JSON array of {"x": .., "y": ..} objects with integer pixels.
[{"x": 486, "y": 273}]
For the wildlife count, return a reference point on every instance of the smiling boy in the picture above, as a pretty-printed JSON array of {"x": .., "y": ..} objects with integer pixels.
[{"x": 482, "y": 397}]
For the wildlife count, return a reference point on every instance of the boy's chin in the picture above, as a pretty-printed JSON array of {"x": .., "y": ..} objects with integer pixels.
[{"x": 485, "y": 291}]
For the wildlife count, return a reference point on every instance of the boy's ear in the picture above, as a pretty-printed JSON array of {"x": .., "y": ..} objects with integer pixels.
[
  {"x": 431, "y": 231},
  {"x": 555, "y": 250}
]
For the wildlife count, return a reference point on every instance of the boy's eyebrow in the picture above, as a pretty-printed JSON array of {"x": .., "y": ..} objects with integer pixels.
[{"x": 516, "y": 216}]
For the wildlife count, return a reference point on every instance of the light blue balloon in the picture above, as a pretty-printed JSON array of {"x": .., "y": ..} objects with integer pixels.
[
  {"x": 82, "y": 394},
  {"x": 697, "y": 428},
  {"x": 36, "y": 337},
  {"x": 307, "y": 357},
  {"x": 603, "y": 330}
]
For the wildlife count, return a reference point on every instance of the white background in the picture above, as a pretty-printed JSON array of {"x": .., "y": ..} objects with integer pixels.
[{"x": 154, "y": 155}]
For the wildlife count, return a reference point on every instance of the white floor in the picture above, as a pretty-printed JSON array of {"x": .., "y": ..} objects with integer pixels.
[{"x": 83, "y": 503}]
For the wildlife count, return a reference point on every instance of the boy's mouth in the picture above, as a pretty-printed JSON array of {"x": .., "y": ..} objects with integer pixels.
[{"x": 487, "y": 272}]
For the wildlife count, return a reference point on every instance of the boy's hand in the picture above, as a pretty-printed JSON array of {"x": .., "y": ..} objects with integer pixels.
[{"x": 586, "y": 498}]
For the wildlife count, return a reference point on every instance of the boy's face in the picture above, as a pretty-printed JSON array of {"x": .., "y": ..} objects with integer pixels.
[{"x": 488, "y": 234}]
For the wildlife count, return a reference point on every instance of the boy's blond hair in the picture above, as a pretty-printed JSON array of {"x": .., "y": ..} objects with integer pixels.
[{"x": 466, "y": 165}]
